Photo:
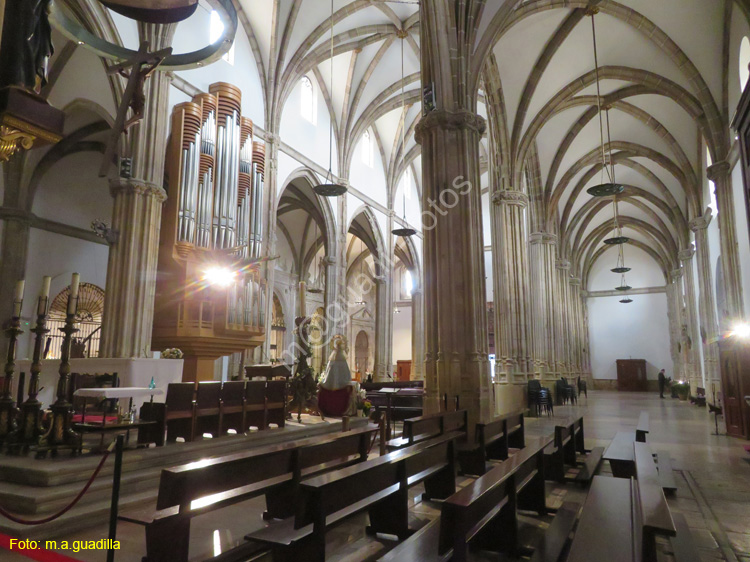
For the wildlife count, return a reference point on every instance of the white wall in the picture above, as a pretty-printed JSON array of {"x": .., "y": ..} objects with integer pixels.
[
  {"x": 402, "y": 334},
  {"x": 639, "y": 330}
]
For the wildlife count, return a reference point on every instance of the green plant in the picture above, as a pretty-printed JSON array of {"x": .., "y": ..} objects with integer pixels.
[{"x": 681, "y": 388}]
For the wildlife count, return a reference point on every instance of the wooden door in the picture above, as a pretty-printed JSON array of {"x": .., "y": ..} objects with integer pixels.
[
  {"x": 631, "y": 375},
  {"x": 732, "y": 389},
  {"x": 403, "y": 370}
]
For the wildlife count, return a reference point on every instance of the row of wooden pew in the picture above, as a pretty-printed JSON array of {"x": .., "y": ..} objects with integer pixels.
[{"x": 214, "y": 407}]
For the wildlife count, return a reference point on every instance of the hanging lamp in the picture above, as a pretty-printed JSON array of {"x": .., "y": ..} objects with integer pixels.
[
  {"x": 611, "y": 187},
  {"x": 329, "y": 187},
  {"x": 316, "y": 289},
  {"x": 620, "y": 267},
  {"x": 623, "y": 286},
  {"x": 626, "y": 300},
  {"x": 405, "y": 230}
]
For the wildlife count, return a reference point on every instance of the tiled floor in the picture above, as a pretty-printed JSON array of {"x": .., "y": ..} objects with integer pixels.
[{"x": 713, "y": 474}]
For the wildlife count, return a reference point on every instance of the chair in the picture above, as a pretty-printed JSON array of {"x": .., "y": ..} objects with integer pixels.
[
  {"x": 545, "y": 402},
  {"x": 232, "y": 409},
  {"x": 176, "y": 414},
  {"x": 582, "y": 388},
  {"x": 534, "y": 388},
  {"x": 255, "y": 405},
  {"x": 276, "y": 395},
  {"x": 206, "y": 417},
  {"x": 565, "y": 392}
]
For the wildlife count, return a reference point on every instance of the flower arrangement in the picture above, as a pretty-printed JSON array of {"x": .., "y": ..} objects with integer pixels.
[
  {"x": 363, "y": 403},
  {"x": 172, "y": 353}
]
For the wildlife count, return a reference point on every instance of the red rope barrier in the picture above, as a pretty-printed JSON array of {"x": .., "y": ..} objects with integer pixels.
[{"x": 67, "y": 508}]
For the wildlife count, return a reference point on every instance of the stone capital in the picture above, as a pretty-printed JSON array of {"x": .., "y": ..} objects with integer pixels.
[
  {"x": 510, "y": 198},
  {"x": 675, "y": 275},
  {"x": 562, "y": 264},
  {"x": 327, "y": 260},
  {"x": 456, "y": 120},
  {"x": 130, "y": 185},
  {"x": 575, "y": 281},
  {"x": 686, "y": 254},
  {"x": 584, "y": 293},
  {"x": 718, "y": 170},
  {"x": 272, "y": 138},
  {"x": 701, "y": 223},
  {"x": 15, "y": 214},
  {"x": 542, "y": 238}
]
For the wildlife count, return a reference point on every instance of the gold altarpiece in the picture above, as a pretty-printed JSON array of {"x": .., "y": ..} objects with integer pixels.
[{"x": 212, "y": 220}]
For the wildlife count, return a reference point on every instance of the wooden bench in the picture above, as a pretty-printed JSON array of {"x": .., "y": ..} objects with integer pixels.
[
  {"x": 491, "y": 443},
  {"x": 622, "y": 517},
  {"x": 379, "y": 486},
  {"x": 619, "y": 453},
  {"x": 641, "y": 429},
  {"x": 593, "y": 459},
  {"x": 559, "y": 453},
  {"x": 255, "y": 405},
  {"x": 232, "y": 407},
  {"x": 174, "y": 417},
  {"x": 666, "y": 475},
  {"x": 201, "y": 487},
  {"x": 427, "y": 427},
  {"x": 276, "y": 396},
  {"x": 484, "y": 512}
]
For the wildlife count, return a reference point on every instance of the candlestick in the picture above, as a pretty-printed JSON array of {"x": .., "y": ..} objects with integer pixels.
[
  {"x": 7, "y": 405},
  {"x": 41, "y": 308},
  {"x": 18, "y": 298},
  {"x": 73, "y": 295}
]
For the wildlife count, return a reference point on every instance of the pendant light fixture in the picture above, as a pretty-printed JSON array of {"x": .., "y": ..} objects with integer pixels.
[
  {"x": 605, "y": 188},
  {"x": 361, "y": 301},
  {"x": 329, "y": 187},
  {"x": 626, "y": 300},
  {"x": 405, "y": 230},
  {"x": 316, "y": 289},
  {"x": 623, "y": 285},
  {"x": 620, "y": 267}
]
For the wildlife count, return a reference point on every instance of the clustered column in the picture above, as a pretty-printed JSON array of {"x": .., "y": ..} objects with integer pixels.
[
  {"x": 136, "y": 220},
  {"x": 562, "y": 318},
  {"x": 417, "y": 339},
  {"x": 456, "y": 358},
  {"x": 720, "y": 174},
  {"x": 511, "y": 282},
  {"x": 691, "y": 336},
  {"x": 709, "y": 330},
  {"x": 542, "y": 250}
]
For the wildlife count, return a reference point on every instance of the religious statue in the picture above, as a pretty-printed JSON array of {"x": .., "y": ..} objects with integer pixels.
[
  {"x": 335, "y": 394},
  {"x": 303, "y": 384},
  {"x": 26, "y": 45}
]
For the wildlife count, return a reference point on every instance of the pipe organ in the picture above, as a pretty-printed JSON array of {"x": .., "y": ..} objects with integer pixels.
[{"x": 212, "y": 220}]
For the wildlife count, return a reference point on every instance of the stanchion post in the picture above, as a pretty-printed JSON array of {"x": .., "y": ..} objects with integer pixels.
[{"x": 115, "y": 498}]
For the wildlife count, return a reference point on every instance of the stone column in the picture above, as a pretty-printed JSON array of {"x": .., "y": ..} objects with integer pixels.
[
  {"x": 270, "y": 186},
  {"x": 562, "y": 317},
  {"x": 676, "y": 322},
  {"x": 576, "y": 321},
  {"x": 456, "y": 345},
  {"x": 383, "y": 336},
  {"x": 510, "y": 266},
  {"x": 417, "y": 334},
  {"x": 691, "y": 368},
  {"x": 542, "y": 282},
  {"x": 586, "y": 343},
  {"x": 136, "y": 219},
  {"x": 720, "y": 174},
  {"x": 709, "y": 330}
]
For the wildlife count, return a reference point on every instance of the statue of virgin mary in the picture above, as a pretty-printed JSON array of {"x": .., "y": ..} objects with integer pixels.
[{"x": 26, "y": 45}]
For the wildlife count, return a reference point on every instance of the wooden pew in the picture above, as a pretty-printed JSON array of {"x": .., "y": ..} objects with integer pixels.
[
  {"x": 621, "y": 518},
  {"x": 666, "y": 475},
  {"x": 207, "y": 409},
  {"x": 484, "y": 512},
  {"x": 191, "y": 490},
  {"x": 593, "y": 459},
  {"x": 276, "y": 395},
  {"x": 561, "y": 452},
  {"x": 379, "y": 486},
  {"x": 232, "y": 407},
  {"x": 641, "y": 429},
  {"x": 174, "y": 417},
  {"x": 619, "y": 453},
  {"x": 427, "y": 427},
  {"x": 491, "y": 443},
  {"x": 255, "y": 405}
]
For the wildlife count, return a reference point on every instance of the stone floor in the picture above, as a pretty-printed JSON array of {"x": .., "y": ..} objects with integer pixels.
[{"x": 713, "y": 474}]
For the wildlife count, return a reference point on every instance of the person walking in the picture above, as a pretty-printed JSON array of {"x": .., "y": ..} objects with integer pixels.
[{"x": 662, "y": 383}]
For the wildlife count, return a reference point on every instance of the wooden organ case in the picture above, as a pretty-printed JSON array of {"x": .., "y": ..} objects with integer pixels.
[{"x": 212, "y": 220}]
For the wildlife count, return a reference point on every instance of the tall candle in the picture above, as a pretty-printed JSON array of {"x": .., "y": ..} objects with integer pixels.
[
  {"x": 44, "y": 295},
  {"x": 18, "y": 298},
  {"x": 302, "y": 291},
  {"x": 73, "y": 296}
]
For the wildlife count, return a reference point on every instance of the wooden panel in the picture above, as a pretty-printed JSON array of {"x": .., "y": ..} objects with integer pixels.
[
  {"x": 734, "y": 361},
  {"x": 403, "y": 370}
]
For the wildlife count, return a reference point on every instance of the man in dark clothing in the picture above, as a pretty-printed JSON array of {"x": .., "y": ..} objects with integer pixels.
[{"x": 662, "y": 383}]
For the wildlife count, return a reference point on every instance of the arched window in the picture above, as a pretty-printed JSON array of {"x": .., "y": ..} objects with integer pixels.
[
  {"x": 89, "y": 318},
  {"x": 408, "y": 283},
  {"x": 744, "y": 62},
  {"x": 308, "y": 108},
  {"x": 215, "y": 29},
  {"x": 368, "y": 149}
]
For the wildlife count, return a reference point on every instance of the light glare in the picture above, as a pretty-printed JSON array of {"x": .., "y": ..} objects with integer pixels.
[
  {"x": 220, "y": 276},
  {"x": 741, "y": 330}
]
